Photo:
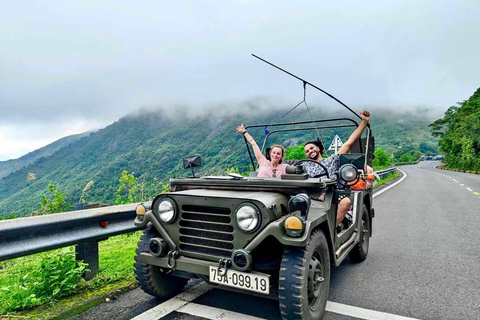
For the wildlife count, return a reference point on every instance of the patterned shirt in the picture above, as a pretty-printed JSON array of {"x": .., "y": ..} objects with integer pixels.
[{"x": 331, "y": 163}]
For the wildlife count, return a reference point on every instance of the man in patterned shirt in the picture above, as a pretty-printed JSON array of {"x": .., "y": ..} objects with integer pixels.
[{"x": 314, "y": 150}]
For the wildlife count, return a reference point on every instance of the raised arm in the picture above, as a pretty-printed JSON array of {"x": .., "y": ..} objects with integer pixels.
[
  {"x": 345, "y": 148},
  {"x": 256, "y": 149}
]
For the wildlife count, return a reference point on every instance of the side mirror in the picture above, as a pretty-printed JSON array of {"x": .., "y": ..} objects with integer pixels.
[{"x": 192, "y": 162}]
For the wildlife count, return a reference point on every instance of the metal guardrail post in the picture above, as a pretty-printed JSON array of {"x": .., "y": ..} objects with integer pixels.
[{"x": 87, "y": 252}]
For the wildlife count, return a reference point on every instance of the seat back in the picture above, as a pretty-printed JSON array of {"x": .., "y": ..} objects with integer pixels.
[{"x": 360, "y": 145}]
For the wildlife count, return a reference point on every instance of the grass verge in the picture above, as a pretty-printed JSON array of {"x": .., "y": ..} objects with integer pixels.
[
  {"x": 44, "y": 278},
  {"x": 391, "y": 177}
]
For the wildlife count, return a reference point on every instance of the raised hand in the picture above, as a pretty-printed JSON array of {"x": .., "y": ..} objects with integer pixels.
[
  {"x": 365, "y": 115},
  {"x": 240, "y": 128}
]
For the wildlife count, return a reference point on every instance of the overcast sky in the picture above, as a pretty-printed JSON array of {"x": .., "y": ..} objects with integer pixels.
[{"x": 67, "y": 67}]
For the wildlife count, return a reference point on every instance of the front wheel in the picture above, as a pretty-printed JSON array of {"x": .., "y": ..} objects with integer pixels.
[
  {"x": 152, "y": 279},
  {"x": 304, "y": 280},
  {"x": 360, "y": 251}
]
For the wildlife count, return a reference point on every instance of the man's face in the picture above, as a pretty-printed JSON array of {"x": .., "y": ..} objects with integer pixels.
[{"x": 312, "y": 151}]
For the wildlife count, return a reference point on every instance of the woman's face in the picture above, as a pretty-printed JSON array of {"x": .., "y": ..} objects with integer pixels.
[
  {"x": 276, "y": 154},
  {"x": 312, "y": 151}
]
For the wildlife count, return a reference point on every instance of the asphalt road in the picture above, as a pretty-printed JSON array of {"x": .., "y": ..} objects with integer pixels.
[{"x": 423, "y": 263}]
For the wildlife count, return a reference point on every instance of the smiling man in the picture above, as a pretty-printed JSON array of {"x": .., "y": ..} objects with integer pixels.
[{"x": 314, "y": 150}]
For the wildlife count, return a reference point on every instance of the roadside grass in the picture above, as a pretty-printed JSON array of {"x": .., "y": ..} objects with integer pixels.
[
  {"x": 390, "y": 177},
  {"x": 43, "y": 278}
]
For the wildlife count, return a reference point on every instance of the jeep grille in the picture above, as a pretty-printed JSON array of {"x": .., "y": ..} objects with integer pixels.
[{"x": 206, "y": 230}]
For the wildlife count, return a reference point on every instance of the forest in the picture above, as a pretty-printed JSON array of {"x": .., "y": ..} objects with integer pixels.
[{"x": 459, "y": 133}]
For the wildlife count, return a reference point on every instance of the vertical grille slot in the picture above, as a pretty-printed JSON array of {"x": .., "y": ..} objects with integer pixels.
[{"x": 206, "y": 230}]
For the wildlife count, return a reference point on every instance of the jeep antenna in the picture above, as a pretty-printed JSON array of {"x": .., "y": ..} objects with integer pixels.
[{"x": 305, "y": 83}]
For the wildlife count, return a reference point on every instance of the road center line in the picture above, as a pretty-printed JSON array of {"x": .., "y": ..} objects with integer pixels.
[
  {"x": 389, "y": 187},
  {"x": 362, "y": 313},
  {"x": 469, "y": 189}
]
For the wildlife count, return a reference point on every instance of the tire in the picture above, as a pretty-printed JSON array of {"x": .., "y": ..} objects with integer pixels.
[
  {"x": 152, "y": 279},
  {"x": 360, "y": 251},
  {"x": 299, "y": 297}
]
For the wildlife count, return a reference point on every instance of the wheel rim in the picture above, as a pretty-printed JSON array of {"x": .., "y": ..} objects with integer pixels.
[
  {"x": 315, "y": 281},
  {"x": 365, "y": 233}
]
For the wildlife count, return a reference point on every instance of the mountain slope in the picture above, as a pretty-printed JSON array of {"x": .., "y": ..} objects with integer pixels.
[
  {"x": 12, "y": 165},
  {"x": 153, "y": 145}
]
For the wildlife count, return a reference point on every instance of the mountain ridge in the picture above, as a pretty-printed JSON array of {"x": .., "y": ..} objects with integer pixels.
[{"x": 12, "y": 165}]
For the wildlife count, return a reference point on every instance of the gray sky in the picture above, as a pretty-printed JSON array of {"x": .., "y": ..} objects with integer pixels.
[{"x": 67, "y": 67}]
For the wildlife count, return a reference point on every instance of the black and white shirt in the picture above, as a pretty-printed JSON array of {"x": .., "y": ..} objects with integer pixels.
[{"x": 331, "y": 163}]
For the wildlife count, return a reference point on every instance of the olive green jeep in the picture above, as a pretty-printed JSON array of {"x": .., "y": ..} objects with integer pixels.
[{"x": 267, "y": 236}]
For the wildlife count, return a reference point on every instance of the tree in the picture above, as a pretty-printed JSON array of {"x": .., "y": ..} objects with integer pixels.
[
  {"x": 381, "y": 160},
  {"x": 54, "y": 203},
  {"x": 295, "y": 153},
  {"x": 127, "y": 192},
  {"x": 459, "y": 132}
]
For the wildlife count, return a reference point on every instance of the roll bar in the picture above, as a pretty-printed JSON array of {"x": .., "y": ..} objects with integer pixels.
[{"x": 353, "y": 124}]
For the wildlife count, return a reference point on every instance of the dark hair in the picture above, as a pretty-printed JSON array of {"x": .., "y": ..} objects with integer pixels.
[{"x": 318, "y": 143}]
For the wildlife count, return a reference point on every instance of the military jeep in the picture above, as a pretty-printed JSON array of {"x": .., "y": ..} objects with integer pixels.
[{"x": 268, "y": 236}]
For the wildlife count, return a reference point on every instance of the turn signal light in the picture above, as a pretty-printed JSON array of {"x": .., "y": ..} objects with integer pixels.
[
  {"x": 293, "y": 223},
  {"x": 141, "y": 210},
  {"x": 294, "y": 226}
]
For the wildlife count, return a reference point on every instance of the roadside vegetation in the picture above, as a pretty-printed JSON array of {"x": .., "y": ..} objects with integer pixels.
[
  {"x": 45, "y": 277},
  {"x": 459, "y": 132}
]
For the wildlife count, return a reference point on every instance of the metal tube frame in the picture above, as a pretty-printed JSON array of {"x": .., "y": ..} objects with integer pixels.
[{"x": 354, "y": 124}]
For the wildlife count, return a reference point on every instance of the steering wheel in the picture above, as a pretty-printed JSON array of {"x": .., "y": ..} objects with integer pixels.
[{"x": 325, "y": 171}]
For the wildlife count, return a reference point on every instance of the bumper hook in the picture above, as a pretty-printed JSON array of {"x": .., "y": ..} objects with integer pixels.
[
  {"x": 172, "y": 256},
  {"x": 223, "y": 265}
]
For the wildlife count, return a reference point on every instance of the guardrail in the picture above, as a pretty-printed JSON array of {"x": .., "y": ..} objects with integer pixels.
[
  {"x": 84, "y": 228},
  {"x": 385, "y": 172},
  {"x": 404, "y": 163}
]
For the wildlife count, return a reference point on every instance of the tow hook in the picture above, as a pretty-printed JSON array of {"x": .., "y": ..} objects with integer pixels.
[
  {"x": 172, "y": 255},
  {"x": 225, "y": 264}
]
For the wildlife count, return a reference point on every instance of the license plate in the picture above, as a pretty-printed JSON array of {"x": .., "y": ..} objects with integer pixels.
[{"x": 241, "y": 280}]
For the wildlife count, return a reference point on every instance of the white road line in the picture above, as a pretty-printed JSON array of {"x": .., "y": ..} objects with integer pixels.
[
  {"x": 389, "y": 187},
  {"x": 469, "y": 189},
  {"x": 362, "y": 313},
  {"x": 174, "y": 303},
  {"x": 213, "y": 313}
]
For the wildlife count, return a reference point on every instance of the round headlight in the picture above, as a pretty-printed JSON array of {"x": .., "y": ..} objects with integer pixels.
[
  {"x": 248, "y": 217},
  {"x": 348, "y": 173},
  {"x": 166, "y": 210}
]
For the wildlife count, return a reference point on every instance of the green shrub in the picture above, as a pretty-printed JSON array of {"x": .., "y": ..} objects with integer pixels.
[{"x": 50, "y": 278}]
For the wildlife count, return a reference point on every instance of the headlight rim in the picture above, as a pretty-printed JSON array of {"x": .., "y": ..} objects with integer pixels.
[
  {"x": 345, "y": 167},
  {"x": 157, "y": 213},
  {"x": 257, "y": 210}
]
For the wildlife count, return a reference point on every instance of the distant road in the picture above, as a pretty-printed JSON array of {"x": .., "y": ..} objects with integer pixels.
[{"x": 423, "y": 263}]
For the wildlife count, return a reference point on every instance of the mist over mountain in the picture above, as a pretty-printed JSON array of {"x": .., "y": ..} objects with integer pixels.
[{"x": 151, "y": 143}]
